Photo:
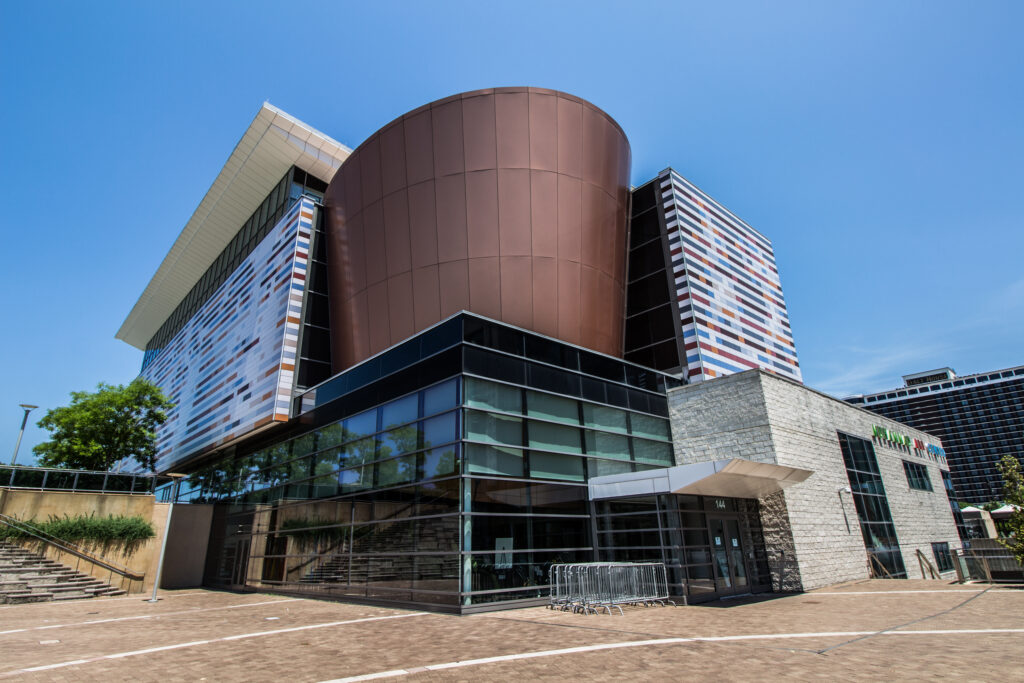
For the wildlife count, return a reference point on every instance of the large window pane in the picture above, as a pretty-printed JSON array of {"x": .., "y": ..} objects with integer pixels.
[
  {"x": 494, "y": 460},
  {"x": 439, "y": 430},
  {"x": 600, "y": 468},
  {"x": 400, "y": 411},
  {"x": 654, "y": 452},
  {"x": 356, "y": 479},
  {"x": 644, "y": 425},
  {"x": 440, "y": 461},
  {"x": 481, "y": 394},
  {"x": 332, "y": 435},
  {"x": 440, "y": 397},
  {"x": 363, "y": 424},
  {"x": 552, "y": 407},
  {"x": 603, "y": 417},
  {"x": 551, "y": 466},
  {"x": 364, "y": 450},
  {"x": 554, "y": 437},
  {"x": 396, "y": 471},
  {"x": 492, "y": 428},
  {"x": 606, "y": 445},
  {"x": 399, "y": 440}
]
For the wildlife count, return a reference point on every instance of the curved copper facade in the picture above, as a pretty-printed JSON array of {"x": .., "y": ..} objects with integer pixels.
[{"x": 509, "y": 202}]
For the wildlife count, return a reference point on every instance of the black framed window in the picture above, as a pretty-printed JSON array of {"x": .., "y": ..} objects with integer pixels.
[
  {"x": 917, "y": 476},
  {"x": 943, "y": 560}
]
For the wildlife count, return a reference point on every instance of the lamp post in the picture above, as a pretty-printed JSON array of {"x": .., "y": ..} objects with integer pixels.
[
  {"x": 24, "y": 420},
  {"x": 167, "y": 532}
]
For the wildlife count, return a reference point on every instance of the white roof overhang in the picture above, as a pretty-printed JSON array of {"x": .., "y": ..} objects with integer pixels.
[
  {"x": 273, "y": 143},
  {"x": 733, "y": 478}
]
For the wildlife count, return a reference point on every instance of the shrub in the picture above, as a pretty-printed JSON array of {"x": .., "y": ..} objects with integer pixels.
[{"x": 127, "y": 532}]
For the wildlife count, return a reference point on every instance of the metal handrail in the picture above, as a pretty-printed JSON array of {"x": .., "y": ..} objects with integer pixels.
[
  {"x": 65, "y": 546},
  {"x": 923, "y": 562},
  {"x": 9, "y": 479}
]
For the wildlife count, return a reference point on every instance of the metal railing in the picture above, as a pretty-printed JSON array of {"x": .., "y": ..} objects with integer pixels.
[
  {"x": 927, "y": 570},
  {"x": 129, "y": 580},
  {"x": 988, "y": 564},
  {"x": 587, "y": 587},
  {"x": 59, "y": 479}
]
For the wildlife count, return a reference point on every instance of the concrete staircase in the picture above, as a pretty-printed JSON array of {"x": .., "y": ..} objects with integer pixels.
[{"x": 26, "y": 576}]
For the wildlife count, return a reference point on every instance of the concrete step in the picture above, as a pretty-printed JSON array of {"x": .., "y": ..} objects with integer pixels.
[{"x": 23, "y": 597}]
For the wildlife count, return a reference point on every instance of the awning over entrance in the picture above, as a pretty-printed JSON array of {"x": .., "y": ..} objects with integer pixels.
[{"x": 733, "y": 478}]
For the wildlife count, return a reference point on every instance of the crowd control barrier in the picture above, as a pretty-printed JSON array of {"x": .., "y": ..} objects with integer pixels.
[{"x": 588, "y": 587}]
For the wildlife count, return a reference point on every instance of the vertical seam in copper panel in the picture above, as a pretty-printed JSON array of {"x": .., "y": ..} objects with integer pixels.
[
  {"x": 529, "y": 189},
  {"x": 558, "y": 280},
  {"x": 384, "y": 225},
  {"x": 497, "y": 201},
  {"x": 433, "y": 179}
]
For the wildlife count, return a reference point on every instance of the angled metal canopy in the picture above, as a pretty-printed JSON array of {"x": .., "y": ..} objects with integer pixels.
[
  {"x": 733, "y": 478},
  {"x": 273, "y": 143}
]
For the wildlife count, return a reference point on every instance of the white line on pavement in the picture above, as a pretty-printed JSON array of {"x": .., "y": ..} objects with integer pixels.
[
  {"x": 953, "y": 591},
  {"x": 194, "y": 643},
  {"x": 95, "y": 601},
  {"x": 146, "y": 616},
  {"x": 645, "y": 643}
]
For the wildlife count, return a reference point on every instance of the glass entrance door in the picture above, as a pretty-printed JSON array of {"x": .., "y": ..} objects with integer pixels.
[{"x": 728, "y": 557}]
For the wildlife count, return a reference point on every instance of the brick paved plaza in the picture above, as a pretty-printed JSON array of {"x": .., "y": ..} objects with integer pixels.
[{"x": 866, "y": 630}]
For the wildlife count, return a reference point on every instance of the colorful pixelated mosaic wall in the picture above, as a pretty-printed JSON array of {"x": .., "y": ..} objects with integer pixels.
[
  {"x": 730, "y": 299},
  {"x": 231, "y": 368}
]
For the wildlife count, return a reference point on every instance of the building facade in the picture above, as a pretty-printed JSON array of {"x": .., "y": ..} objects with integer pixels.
[
  {"x": 979, "y": 417},
  {"x": 705, "y": 297},
  {"x": 424, "y": 370},
  {"x": 876, "y": 486}
]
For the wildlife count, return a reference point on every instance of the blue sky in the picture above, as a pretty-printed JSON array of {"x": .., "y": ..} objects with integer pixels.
[{"x": 878, "y": 145}]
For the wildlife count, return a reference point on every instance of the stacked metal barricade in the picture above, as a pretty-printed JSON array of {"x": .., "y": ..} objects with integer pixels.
[{"x": 588, "y": 587}]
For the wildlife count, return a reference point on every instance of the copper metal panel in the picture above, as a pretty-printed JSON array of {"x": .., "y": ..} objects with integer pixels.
[
  {"x": 376, "y": 303},
  {"x": 512, "y": 123},
  {"x": 544, "y": 213},
  {"x": 570, "y": 220},
  {"x": 354, "y": 246},
  {"x": 537, "y": 176},
  {"x": 358, "y": 324},
  {"x": 451, "y": 218},
  {"x": 375, "y": 249},
  {"x": 544, "y": 132},
  {"x": 448, "y": 139},
  {"x": 517, "y": 291},
  {"x": 514, "y": 231},
  {"x": 396, "y": 233},
  {"x": 545, "y": 300},
  {"x": 569, "y": 302},
  {"x": 369, "y": 171},
  {"x": 453, "y": 287},
  {"x": 419, "y": 147},
  {"x": 570, "y": 125},
  {"x": 400, "y": 308},
  {"x": 478, "y": 132},
  {"x": 592, "y": 162},
  {"x": 485, "y": 287},
  {"x": 422, "y": 224},
  {"x": 426, "y": 297},
  {"x": 590, "y": 219},
  {"x": 392, "y": 158},
  {"x": 482, "y": 213}
]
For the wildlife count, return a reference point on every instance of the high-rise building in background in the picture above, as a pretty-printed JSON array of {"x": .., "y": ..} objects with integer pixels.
[
  {"x": 704, "y": 294},
  {"x": 979, "y": 417}
]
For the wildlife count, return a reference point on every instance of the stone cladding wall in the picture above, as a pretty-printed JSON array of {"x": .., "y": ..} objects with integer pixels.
[{"x": 760, "y": 417}]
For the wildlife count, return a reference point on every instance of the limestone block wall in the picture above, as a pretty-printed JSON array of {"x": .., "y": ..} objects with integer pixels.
[{"x": 760, "y": 417}]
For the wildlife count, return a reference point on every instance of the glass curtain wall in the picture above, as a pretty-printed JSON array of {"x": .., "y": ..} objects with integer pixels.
[
  {"x": 872, "y": 507},
  {"x": 681, "y": 530}
]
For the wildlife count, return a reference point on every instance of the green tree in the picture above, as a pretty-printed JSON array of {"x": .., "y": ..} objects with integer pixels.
[
  {"x": 99, "y": 429},
  {"x": 1013, "y": 487}
]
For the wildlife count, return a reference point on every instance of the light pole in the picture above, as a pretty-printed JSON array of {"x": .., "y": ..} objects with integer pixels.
[
  {"x": 28, "y": 409},
  {"x": 167, "y": 532}
]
